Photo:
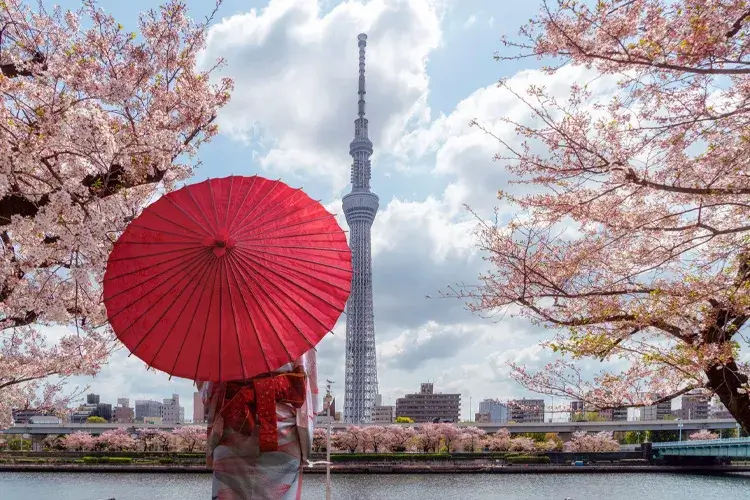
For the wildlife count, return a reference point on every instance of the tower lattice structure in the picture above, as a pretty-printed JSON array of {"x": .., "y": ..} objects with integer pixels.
[{"x": 360, "y": 207}]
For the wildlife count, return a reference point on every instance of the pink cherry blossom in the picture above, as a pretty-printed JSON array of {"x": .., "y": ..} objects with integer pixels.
[
  {"x": 116, "y": 439},
  {"x": 350, "y": 439},
  {"x": 591, "y": 442},
  {"x": 320, "y": 440},
  {"x": 702, "y": 435},
  {"x": 472, "y": 438},
  {"x": 401, "y": 437},
  {"x": 376, "y": 438},
  {"x": 96, "y": 122},
  {"x": 79, "y": 441},
  {"x": 190, "y": 437},
  {"x": 633, "y": 243}
]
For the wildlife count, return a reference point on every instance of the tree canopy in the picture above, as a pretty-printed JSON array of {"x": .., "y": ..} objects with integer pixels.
[
  {"x": 95, "y": 121},
  {"x": 634, "y": 239}
]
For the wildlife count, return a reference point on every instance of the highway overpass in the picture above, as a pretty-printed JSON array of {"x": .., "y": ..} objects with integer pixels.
[{"x": 558, "y": 427}]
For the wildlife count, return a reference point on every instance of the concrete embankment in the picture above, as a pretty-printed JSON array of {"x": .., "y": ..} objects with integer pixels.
[{"x": 390, "y": 469}]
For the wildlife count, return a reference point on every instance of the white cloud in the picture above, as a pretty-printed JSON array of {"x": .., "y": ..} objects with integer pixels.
[
  {"x": 472, "y": 19},
  {"x": 296, "y": 94},
  {"x": 296, "y": 80}
]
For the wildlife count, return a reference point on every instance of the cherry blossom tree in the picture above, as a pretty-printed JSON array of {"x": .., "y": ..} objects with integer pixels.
[
  {"x": 191, "y": 437},
  {"x": 401, "y": 437},
  {"x": 522, "y": 444},
  {"x": 320, "y": 440},
  {"x": 349, "y": 439},
  {"x": 167, "y": 441},
  {"x": 53, "y": 441},
  {"x": 451, "y": 436},
  {"x": 500, "y": 441},
  {"x": 116, "y": 439},
  {"x": 79, "y": 441},
  {"x": 635, "y": 239},
  {"x": 147, "y": 438},
  {"x": 703, "y": 434},
  {"x": 472, "y": 438},
  {"x": 376, "y": 438},
  {"x": 96, "y": 121},
  {"x": 585, "y": 442},
  {"x": 428, "y": 437}
]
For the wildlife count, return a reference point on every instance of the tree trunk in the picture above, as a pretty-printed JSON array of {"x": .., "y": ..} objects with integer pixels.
[{"x": 725, "y": 380}]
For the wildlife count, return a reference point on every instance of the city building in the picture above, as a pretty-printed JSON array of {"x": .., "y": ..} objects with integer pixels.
[
  {"x": 427, "y": 406},
  {"x": 147, "y": 409},
  {"x": 360, "y": 207},
  {"x": 82, "y": 413},
  {"x": 124, "y": 415},
  {"x": 103, "y": 410},
  {"x": 23, "y": 416},
  {"x": 495, "y": 411},
  {"x": 482, "y": 418},
  {"x": 123, "y": 402},
  {"x": 199, "y": 410},
  {"x": 660, "y": 411},
  {"x": 717, "y": 410},
  {"x": 577, "y": 411},
  {"x": 526, "y": 410},
  {"x": 171, "y": 411},
  {"x": 92, "y": 399},
  {"x": 694, "y": 406},
  {"x": 382, "y": 414}
]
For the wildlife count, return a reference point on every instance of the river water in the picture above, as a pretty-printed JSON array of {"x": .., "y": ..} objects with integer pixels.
[{"x": 126, "y": 486}]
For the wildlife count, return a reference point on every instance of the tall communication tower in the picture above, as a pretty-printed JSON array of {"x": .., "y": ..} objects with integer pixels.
[{"x": 360, "y": 207}]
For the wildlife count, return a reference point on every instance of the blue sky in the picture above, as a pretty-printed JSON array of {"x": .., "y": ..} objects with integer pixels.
[{"x": 430, "y": 71}]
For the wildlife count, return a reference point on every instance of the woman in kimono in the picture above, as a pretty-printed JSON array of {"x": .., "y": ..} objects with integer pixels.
[{"x": 260, "y": 432}]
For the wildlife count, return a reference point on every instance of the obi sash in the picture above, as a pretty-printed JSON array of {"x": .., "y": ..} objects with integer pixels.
[{"x": 252, "y": 402}]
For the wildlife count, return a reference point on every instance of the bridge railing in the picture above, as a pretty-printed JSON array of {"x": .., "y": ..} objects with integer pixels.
[{"x": 703, "y": 442}]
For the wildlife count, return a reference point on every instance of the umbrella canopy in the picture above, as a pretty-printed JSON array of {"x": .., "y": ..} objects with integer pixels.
[{"x": 227, "y": 279}]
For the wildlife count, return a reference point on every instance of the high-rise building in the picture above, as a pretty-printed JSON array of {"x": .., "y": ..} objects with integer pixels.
[
  {"x": 103, "y": 410},
  {"x": 92, "y": 399},
  {"x": 659, "y": 411},
  {"x": 694, "y": 407},
  {"x": 426, "y": 406},
  {"x": 495, "y": 411},
  {"x": 123, "y": 402},
  {"x": 147, "y": 409},
  {"x": 124, "y": 415},
  {"x": 526, "y": 410},
  {"x": 171, "y": 411},
  {"x": 360, "y": 207},
  {"x": 199, "y": 411},
  {"x": 382, "y": 414}
]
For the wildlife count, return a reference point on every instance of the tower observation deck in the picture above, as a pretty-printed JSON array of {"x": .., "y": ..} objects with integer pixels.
[{"x": 360, "y": 207}]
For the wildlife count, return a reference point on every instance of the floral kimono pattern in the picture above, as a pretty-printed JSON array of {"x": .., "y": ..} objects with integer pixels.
[{"x": 251, "y": 459}]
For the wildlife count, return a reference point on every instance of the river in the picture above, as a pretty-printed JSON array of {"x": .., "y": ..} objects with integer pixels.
[{"x": 126, "y": 486}]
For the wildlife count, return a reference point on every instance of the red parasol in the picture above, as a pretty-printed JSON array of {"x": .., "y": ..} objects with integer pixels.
[{"x": 227, "y": 279}]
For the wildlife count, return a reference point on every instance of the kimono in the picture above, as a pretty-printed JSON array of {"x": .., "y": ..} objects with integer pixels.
[{"x": 260, "y": 432}]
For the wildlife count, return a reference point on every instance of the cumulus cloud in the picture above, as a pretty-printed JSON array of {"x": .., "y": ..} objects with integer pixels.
[
  {"x": 295, "y": 75},
  {"x": 294, "y": 65}
]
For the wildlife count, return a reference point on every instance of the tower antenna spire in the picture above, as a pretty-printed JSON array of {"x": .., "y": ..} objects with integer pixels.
[{"x": 362, "y": 42}]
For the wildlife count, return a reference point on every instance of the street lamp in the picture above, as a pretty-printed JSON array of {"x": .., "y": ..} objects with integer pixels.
[
  {"x": 679, "y": 426},
  {"x": 329, "y": 399}
]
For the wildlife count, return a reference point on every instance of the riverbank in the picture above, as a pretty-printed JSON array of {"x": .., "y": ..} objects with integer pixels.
[{"x": 394, "y": 469}]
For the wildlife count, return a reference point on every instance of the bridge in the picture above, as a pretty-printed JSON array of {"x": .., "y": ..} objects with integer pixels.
[
  {"x": 515, "y": 428},
  {"x": 719, "y": 448}
]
